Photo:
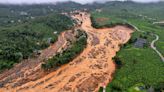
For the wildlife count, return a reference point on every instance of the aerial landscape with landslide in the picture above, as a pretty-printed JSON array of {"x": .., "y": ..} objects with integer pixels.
[
  {"x": 94, "y": 64},
  {"x": 85, "y": 50}
]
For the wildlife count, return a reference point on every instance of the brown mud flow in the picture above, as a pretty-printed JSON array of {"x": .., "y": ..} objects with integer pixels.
[{"x": 88, "y": 71}]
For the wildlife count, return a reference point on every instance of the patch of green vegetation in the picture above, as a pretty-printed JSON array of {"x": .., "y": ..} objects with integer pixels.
[
  {"x": 19, "y": 42},
  {"x": 144, "y": 66},
  {"x": 137, "y": 88},
  {"x": 67, "y": 55}
]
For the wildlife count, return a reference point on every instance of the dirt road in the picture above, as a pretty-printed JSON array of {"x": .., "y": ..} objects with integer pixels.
[
  {"x": 155, "y": 49},
  {"x": 92, "y": 68}
]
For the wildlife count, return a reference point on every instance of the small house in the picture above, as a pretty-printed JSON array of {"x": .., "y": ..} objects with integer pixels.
[{"x": 140, "y": 43}]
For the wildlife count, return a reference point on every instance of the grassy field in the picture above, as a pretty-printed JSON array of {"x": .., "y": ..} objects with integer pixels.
[{"x": 141, "y": 67}]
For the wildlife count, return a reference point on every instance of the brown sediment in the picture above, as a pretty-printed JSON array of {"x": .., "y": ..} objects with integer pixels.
[
  {"x": 87, "y": 72},
  {"x": 102, "y": 19}
]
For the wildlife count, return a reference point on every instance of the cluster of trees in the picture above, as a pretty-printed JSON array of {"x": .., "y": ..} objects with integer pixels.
[
  {"x": 67, "y": 55},
  {"x": 17, "y": 14},
  {"x": 20, "y": 42},
  {"x": 118, "y": 62},
  {"x": 94, "y": 22},
  {"x": 59, "y": 22}
]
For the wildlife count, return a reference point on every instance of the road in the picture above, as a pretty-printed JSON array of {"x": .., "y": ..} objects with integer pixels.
[
  {"x": 155, "y": 49},
  {"x": 136, "y": 28}
]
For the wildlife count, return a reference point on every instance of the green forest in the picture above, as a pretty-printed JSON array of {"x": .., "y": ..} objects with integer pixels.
[{"x": 21, "y": 41}]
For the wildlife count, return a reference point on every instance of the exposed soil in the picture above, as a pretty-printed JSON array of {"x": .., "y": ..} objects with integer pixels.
[
  {"x": 102, "y": 19},
  {"x": 86, "y": 73}
]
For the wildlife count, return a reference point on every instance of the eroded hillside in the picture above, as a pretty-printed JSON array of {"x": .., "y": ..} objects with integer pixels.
[{"x": 86, "y": 73}]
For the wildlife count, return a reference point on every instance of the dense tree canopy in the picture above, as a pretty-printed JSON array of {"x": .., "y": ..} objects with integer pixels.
[{"x": 19, "y": 42}]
